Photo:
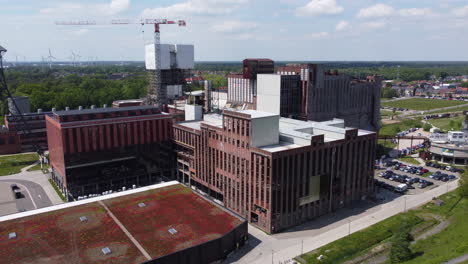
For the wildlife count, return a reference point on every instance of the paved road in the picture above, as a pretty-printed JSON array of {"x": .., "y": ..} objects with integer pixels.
[
  {"x": 34, "y": 195},
  {"x": 283, "y": 247},
  {"x": 458, "y": 260},
  {"x": 37, "y": 191}
]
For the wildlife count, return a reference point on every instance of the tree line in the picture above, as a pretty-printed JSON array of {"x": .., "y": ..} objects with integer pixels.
[{"x": 50, "y": 89}]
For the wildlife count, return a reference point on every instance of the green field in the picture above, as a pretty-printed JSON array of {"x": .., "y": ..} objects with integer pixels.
[
  {"x": 445, "y": 245},
  {"x": 392, "y": 129},
  {"x": 453, "y": 110},
  {"x": 350, "y": 246},
  {"x": 387, "y": 114},
  {"x": 421, "y": 104},
  {"x": 13, "y": 164},
  {"x": 38, "y": 167},
  {"x": 448, "y": 124},
  {"x": 410, "y": 160}
]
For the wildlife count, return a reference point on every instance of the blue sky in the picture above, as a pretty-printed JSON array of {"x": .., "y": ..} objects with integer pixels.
[{"x": 315, "y": 30}]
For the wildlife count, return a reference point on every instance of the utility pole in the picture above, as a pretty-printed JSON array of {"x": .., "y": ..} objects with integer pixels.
[
  {"x": 349, "y": 227},
  {"x": 405, "y": 204}
]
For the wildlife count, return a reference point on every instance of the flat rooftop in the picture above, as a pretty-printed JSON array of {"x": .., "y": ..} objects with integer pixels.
[
  {"x": 162, "y": 219},
  {"x": 292, "y": 133},
  {"x": 102, "y": 110}
]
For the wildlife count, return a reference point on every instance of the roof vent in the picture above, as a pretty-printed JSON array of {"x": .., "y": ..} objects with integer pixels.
[
  {"x": 106, "y": 251},
  {"x": 172, "y": 231},
  {"x": 12, "y": 235},
  {"x": 83, "y": 218},
  {"x": 141, "y": 205}
]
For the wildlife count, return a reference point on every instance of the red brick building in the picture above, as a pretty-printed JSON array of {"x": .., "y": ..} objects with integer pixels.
[
  {"x": 275, "y": 172},
  {"x": 97, "y": 150},
  {"x": 9, "y": 142},
  {"x": 36, "y": 125}
]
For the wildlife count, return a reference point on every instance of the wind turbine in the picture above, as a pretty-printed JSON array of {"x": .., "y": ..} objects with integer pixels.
[
  {"x": 73, "y": 58},
  {"x": 50, "y": 59}
]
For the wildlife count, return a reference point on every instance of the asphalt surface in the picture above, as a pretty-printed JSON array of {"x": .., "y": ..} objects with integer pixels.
[
  {"x": 283, "y": 247},
  {"x": 34, "y": 196}
]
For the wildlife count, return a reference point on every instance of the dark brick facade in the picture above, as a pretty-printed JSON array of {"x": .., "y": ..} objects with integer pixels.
[
  {"x": 96, "y": 150},
  {"x": 274, "y": 190}
]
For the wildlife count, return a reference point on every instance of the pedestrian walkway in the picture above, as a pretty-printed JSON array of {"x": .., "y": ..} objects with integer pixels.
[{"x": 287, "y": 245}]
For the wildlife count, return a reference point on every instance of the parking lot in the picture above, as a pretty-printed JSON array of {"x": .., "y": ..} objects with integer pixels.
[{"x": 400, "y": 174}]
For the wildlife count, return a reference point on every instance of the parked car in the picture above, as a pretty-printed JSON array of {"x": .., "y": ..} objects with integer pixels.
[
  {"x": 401, "y": 188},
  {"x": 16, "y": 191}
]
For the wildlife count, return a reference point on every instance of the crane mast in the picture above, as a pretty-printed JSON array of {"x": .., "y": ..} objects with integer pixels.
[{"x": 156, "y": 95}]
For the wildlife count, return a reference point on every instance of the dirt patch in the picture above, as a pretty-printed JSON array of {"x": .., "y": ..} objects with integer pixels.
[
  {"x": 436, "y": 229},
  {"x": 370, "y": 254}
]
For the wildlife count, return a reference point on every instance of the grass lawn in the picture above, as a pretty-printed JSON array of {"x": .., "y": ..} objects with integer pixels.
[
  {"x": 421, "y": 104},
  {"x": 456, "y": 109},
  {"x": 356, "y": 243},
  {"x": 60, "y": 194},
  {"x": 38, "y": 167},
  {"x": 448, "y": 123},
  {"x": 392, "y": 129},
  {"x": 388, "y": 114},
  {"x": 449, "y": 243},
  {"x": 13, "y": 164},
  {"x": 409, "y": 160}
]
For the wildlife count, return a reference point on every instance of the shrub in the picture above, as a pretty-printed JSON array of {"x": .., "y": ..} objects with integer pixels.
[
  {"x": 400, "y": 250},
  {"x": 427, "y": 127}
]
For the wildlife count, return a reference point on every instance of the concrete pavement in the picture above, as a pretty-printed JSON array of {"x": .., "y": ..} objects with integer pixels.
[
  {"x": 35, "y": 187},
  {"x": 283, "y": 247}
]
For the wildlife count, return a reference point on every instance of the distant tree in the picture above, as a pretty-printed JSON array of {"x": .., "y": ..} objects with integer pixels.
[
  {"x": 389, "y": 92},
  {"x": 388, "y": 85},
  {"x": 464, "y": 84},
  {"x": 443, "y": 75}
]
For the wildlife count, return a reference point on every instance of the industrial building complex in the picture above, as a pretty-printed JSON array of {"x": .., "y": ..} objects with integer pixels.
[
  {"x": 159, "y": 224},
  {"x": 276, "y": 172},
  {"x": 306, "y": 92},
  {"x": 103, "y": 149}
]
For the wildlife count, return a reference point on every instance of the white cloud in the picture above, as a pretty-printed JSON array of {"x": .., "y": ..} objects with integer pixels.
[
  {"x": 320, "y": 35},
  {"x": 378, "y": 10},
  {"x": 112, "y": 8},
  {"x": 461, "y": 11},
  {"x": 343, "y": 25},
  {"x": 320, "y": 7},
  {"x": 233, "y": 27},
  {"x": 375, "y": 24},
  {"x": 80, "y": 32},
  {"x": 415, "y": 12},
  {"x": 194, "y": 7}
]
